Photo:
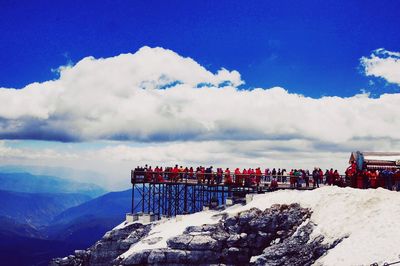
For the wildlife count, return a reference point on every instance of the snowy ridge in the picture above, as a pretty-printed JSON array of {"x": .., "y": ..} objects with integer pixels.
[{"x": 368, "y": 219}]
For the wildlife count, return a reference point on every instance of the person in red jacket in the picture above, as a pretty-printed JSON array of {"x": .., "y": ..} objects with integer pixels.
[
  {"x": 160, "y": 174},
  {"x": 274, "y": 184},
  {"x": 258, "y": 176},
  {"x": 175, "y": 173},
  {"x": 373, "y": 179},
  {"x": 227, "y": 177},
  {"x": 238, "y": 177},
  {"x": 191, "y": 173},
  {"x": 245, "y": 177},
  {"x": 330, "y": 177},
  {"x": 336, "y": 178},
  {"x": 203, "y": 174}
]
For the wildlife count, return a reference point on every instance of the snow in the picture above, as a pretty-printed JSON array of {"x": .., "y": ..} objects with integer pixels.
[
  {"x": 369, "y": 219},
  {"x": 168, "y": 228}
]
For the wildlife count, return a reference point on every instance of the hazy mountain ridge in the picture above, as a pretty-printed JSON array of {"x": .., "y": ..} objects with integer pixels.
[
  {"x": 27, "y": 182},
  {"x": 37, "y": 209}
]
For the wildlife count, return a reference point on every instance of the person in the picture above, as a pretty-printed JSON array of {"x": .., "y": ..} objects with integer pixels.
[
  {"x": 306, "y": 178},
  {"x": 316, "y": 176},
  {"x": 149, "y": 174},
  {"x": 258, "y": 176},
  {"x": 292, "y": 179},
  {"x": 373, "y": 179},
  {"x": 336, "y": 178},
  {"x": 238, "y": 177},
  {"x": 227, "y": 177},
  {"x": 366, "y": 176},
  {"x": 321, "y": 176},
  {"x": 326, "y": 177},
  {"x": 181, "y": 171},
  {"x": 396, "y": 177},
  {"x": 199, "y": 175},
  {"x": 203, "y": 174},
  {"x": 273, "y": 173},
  {"x": 266, "y": 175},
  {"x": 219, "y": 175},
  {"x": 274, "y": 184},
  {"x": 175, "y": 173},
  {"x": 208, "y": 174},
  {"x": 191, "y": 174},
  {"x": 160, "y": 175},
  {"x": 297, "y": 176},
  {"x": 246, "y": 177},
  {"x": 284, "y": 176},
  {"x": 279, "y": 175}
]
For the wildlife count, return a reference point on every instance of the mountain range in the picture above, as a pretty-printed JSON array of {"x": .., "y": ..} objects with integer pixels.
[
  {"x": 42, "y": 216},
  {"x": 26, "y": 182}
]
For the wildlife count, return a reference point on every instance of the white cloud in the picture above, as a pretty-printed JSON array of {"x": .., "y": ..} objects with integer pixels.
[
  {"x": 123, "y": 98},
  {"x": 383, "y": 64}
]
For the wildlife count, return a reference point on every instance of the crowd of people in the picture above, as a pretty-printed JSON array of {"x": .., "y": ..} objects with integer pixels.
[
  {"x": 240, "y": 177},
  {"x": 388, "y": 178}
]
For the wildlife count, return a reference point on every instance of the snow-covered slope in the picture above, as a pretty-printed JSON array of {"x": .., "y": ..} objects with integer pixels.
[{"x": 368, "y": 219}]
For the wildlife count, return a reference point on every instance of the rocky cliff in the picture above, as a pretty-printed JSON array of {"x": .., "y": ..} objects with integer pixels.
[{"x": 280, "y": 235}]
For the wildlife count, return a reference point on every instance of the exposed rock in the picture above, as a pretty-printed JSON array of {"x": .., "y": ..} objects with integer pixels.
[
  {"x": 106, "y": 250},
  {"x": 296, "y": 250},
  {"x": 276, "y": 236},
  {"x": 137, "y": 258},
  {"x": 179, "y": 242}
]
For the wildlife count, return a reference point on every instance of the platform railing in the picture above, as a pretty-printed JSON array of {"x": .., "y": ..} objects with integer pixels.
[{"x": 231, "y": 179}]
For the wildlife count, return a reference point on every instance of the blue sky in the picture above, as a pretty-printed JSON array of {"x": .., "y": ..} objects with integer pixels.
[{"x": 307, "y": 47}]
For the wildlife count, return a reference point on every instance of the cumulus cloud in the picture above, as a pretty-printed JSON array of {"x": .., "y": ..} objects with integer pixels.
[
  {"x": 158, "y": 95},
  {"x": 383, "y": 64}
]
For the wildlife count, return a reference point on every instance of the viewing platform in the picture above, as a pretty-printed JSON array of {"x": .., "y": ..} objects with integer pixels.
[{"x": 170, "y": 194}]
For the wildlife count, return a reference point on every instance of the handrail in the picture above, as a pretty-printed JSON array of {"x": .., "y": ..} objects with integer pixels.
[{"x": 253, "y": 178}]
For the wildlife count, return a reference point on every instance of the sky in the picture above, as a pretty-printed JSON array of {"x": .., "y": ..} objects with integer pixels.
[{"x": 108, "y": 86}]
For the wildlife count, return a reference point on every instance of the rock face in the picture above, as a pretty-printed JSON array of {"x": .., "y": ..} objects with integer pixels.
[
  {"x": 279, "y": 235},
  {"x": 113, "y": 244},
  {"x": 234, "y": 240}
]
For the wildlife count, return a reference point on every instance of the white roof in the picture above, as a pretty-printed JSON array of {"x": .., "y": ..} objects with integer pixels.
[{"x": 393, "y": 158}]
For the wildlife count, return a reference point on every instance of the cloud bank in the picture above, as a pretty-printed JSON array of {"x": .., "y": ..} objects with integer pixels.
[{"x": 156, "y": 95}]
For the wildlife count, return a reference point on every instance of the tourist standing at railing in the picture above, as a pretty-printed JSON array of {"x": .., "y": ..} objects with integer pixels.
[
  {"x": 238, "y": 177},
  {"x": 273, "y": 173},
  {"x": 191, "y": 174},
  {"x": 373, "y": 179},
  {"x": 245, "y": 177},
  {"x": 296, "y": 178},
  {"x": 258, "y": 176},
  {"x": 219, "y": 175},
  {"x": 208, "y": 173},
  {"x": 198, "y": 175},
  {"x": 396, "y": 177},
  {"x": 292, "y": 178},
  {"x": 227, "y": 177},
  {"x": 316, "y": 177},
  {"x": 284, "y": 176},
  {"x": 306, "y": 178},
  {"x": 267, "y": 173}
]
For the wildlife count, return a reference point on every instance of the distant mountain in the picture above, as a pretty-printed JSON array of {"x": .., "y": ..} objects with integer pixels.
[
  {"x": 113, "y": 204},
  {"x": 16, "y": 250},
  {"x": 10, "y": 227},
  {"x": 22, "y": 244},
  {"x": 37, "y": 209},
  {"x": 77, "y": 175},
  {"x": 26, "y": 182},
  {"x": 81, "y": 232}
]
